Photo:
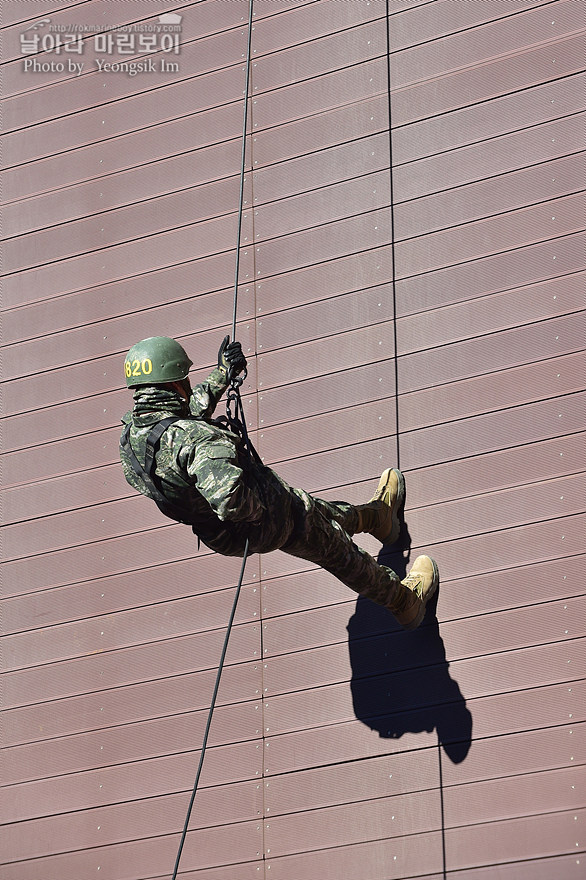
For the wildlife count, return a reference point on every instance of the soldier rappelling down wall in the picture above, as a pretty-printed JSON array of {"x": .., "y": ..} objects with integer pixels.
[{"x": 198, "y": 472}]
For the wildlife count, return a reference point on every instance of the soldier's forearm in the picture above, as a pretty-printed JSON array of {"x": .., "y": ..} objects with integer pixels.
[{"x": 205, "y": 396}]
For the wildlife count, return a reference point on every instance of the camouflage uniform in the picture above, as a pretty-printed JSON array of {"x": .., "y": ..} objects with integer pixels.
[{"x": 227, "y": 497}]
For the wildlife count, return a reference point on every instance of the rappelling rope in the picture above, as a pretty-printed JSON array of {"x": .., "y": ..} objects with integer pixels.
[
  {"x": 242, "y": 167},
  {"x": 210, "y": 714},
  {"x": 236, "y": 419}
]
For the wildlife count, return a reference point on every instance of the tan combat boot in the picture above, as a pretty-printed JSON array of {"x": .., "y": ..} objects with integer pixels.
[
  {"x": 380, "y": 517},
  {"x": 413, "y": 593}
]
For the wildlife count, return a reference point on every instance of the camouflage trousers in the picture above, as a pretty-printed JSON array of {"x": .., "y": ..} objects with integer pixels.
[{"x": 322, "y": 534}]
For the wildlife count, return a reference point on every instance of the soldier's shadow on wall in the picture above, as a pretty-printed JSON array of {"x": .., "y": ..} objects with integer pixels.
[{"x": 401, "y": 680}]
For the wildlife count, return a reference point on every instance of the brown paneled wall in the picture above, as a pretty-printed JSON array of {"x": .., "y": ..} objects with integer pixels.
[{"x": 411, "y": 293}]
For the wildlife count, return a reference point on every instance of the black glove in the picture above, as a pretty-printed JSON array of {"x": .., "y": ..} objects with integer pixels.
[{"x": 231, "y": 358}]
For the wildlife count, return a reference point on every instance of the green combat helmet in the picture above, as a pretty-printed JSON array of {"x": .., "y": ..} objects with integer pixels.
[{"x": 156, "y": 360}]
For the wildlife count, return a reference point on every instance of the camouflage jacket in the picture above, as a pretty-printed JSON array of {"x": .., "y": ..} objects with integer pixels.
[{"x": 204, "y": 472}]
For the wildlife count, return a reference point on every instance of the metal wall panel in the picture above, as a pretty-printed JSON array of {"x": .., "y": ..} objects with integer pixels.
[
  {"x": 568, "y": 867},
  {"x": 414, "y": 691},
  {"x": 202, "y": 21},
  {"x": 440, "y": 19},
  {"x": 171, "y": 695},
  {"x": 218, "y": 130},
  {"x": 472, "y": 48},
  {"x": 136, "y": 257},
  {"x": 144, "y": 219},
  {"x": 455, "y": 397},
  {"x": 319, "y": 629},
  {"x": 411, "y": 294},
  {"x": 496, "y": 715},
  {"x": 73, "y": 640},
  {"x": 141, "y": 294},
  {"x": 145, "y": 767},
  {"x": 148, "y": 108},
  {"x": 226, "y": 806},
  {"x": 204, "y": 57},
  {"x": 468, "y": 127},
  {"x": 26, "y": 10},
  {"x": 121, "y": 592},
  {"x": 392, "y": 858},
  {"x": 488, "y": 79},
  {"x": 407, "y": 771},
  {"x": 504, "y": 153},
  {"x": 510, "y": 191},
  {"x": 547, "y": 624},
  {"x": 153, "y": 855}
]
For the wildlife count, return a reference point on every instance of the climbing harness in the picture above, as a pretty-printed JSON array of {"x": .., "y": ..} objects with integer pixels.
[
  {"x": 237, "y": 421},
  {"x": 147, "y": 472}
]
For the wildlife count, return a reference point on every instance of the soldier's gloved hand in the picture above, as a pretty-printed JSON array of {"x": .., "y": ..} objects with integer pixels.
[{"x": 231, "y": 358}]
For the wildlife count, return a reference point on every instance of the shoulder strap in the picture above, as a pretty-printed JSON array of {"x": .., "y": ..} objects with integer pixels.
[{"x": 147, "y": 473}]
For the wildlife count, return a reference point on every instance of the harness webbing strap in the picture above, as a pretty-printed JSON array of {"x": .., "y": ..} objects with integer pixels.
[{"x": 147, "y": 473}]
